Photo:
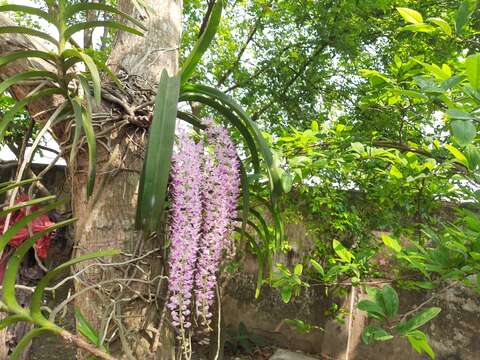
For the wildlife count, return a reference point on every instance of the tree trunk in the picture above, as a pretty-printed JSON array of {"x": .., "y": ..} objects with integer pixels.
[
  {"x": 130, "y": 312},
  {"x": 133, "y": 312}
]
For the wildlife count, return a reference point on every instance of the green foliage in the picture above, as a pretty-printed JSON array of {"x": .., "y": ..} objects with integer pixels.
[
  {"x": 383, "y": 306},
  {"x": 9, "y": 305}
]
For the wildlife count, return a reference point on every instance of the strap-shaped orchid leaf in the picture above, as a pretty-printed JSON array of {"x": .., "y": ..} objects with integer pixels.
[
  {"x": 191, "y": 119},
  {"x": 279, "y": 226},
  {"x": 9, "y": 185},
  {"x": 245, "y": 199},
  {"x": 27, "y": 75},
  {"x": 102, "y": 23},
  {"x": 76, "y": 8},
  {"x": 12, "y": 319},
  {"x": 92, "y": 69},
  {"x": 36, "y": 301},
  {"x": 13, "y": 264},
  {"x": 27, "y": 10},
  {"x": 27, "y": 31},
  {"x": 157, "y": 163},
  {"x": 234, "y": 107},
  {"x": 82, "y": 117},
  {"x": 203, "y": 42},
  {"x": 19, "y": 105},
  {"x": 25, "y": 54},
  {"x": 25, "y": 204},
  {"x": 233, "y": 119}
]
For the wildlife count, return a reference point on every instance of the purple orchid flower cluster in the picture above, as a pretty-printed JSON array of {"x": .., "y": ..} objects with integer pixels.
[{"x": 205, "y": 188}]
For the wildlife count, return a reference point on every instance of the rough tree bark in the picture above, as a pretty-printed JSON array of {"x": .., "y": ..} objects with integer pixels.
[{"x": 127, "y": 310}]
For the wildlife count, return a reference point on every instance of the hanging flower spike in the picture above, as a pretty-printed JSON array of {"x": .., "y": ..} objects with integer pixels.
[
  {"x": 220, "y": 191},
  {"x": 185, "y": 228}
]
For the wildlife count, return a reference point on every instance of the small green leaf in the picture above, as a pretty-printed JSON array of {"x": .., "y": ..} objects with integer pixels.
[
  {"x": 286, "y": 294},
  {"x": 426, "y": 28},
  {"x": 6, "y": 59},
  {"x": 410, "y": 15},
  {"x": 464, "y": 131},
  {"x": 372, "y": 308},
  {"x": 287, "y": 182},
  {"x": 373, "y": 333},
  {"x": 298, "y": 269},
  {"x": 472, "y": 69},
  {"x": 442, "y": 24},
  {"x": 391, "y": 243},
  {"x": 394, "y": 172},
  {"x": 456, "y": 153},
  {"x": 459, "y": 115},
  {"x": 390, "y": 301},
  {"x": 417, "y": 320},
  {"x": 419, "y": 342},
  {"x": 464, "y": 13},
  {"x": 342, "y": 252},
  {"x": 317, "y": 267}
]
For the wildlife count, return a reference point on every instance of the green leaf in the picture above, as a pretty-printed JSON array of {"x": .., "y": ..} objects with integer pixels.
[
  {"x": 442, "y": 24},
  {"x": 426, "y": 28},
  {"x": 156, "y": 170},
  {"x": 19, "y": 105},
  {"x": 419, "y": 342},
  {"x": 14, "y": 262},
  {"x": 287, "y": 182},
  {"x": 298, "y": 269},
  {"x": 92, "y": 68},
  {"x": 464, "y": 131},
  {"x": 464, "y": 13},
  {"x": 203, "y": 42},
  {"x": 6, "y": 59},
  {"x": 26, "y": 75},
  {"x": 394, "y": 172},
  {"x": 459, "y": 115},
  {"x": 36, "y": 301},
  {"x": 472, "y": 154},
  {"x": 317, "y": 267},
  {"x": 417, "y": 320},
  {"x": 27, "y": 31},
  {"x": 472, "y": 69},
  {"x": 85, "y": 329},
  {"x": 373, "y": 333},
  {"x": 12, "y": 319},
  {"x": 372, "y": 308},
  {"x": 25, "y": 340},
  {"x": 410, "y": 15},
  {"x": 233, "y": 106},
  {"x": 82, "y": 116},
  {"x": 234, "y": 120},
  {"x": 342, "y": 252},
  {"x": 95, "y": 24},
  {"x": 72, "y": 10},
  {"x": 27, "y": 10},
  {"x": 390, "y": 300},
  {"x": 286, "y": 294},
  {"x": 456, "y": 153},
  {"x": 391, "y": 243},
  {"x": 25, "y": 204}
]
